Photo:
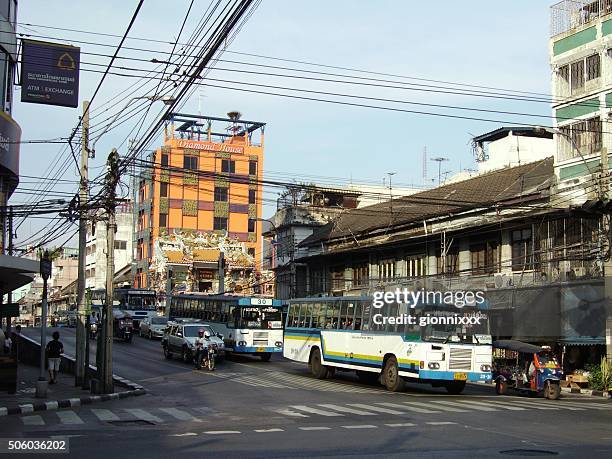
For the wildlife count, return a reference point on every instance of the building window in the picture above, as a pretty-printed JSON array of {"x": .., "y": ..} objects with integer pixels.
[
  {"x": 164, "y": 159},
  {"x": 251, "y": 251},
  {"x": 593, "y": 67},
  {"x": 228, "y": 166},
  {"x": 190, "y": 163},
  {"x": 360, "y": 275},
  {"x": 221, "y": 194},
  {"x": 120, "y": 245},
  {"x": 571, "y": 78},
  {"x": 252, "y": 196},
  {"x": 485, "y": 257},
  {"x": 523, "y": 254},
  {"x": 585, "y": 139},
  {"x": 163, "y": 190},
  {"x": 252, "y": 225},
  {"x": 386, "y": 270},
  {"x": 252, "y": 167},
  {"x": 163, "y": 220},
  {"x": 448, "y": 264},
  {"x": 220, "y": 224},
  {"x": 416, "y": 266}
]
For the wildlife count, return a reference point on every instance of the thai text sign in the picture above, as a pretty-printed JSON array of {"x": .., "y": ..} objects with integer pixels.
[{"x": 50, "y": 73}]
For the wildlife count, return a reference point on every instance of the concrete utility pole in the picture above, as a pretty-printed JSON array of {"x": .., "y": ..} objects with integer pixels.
[
  {"x": 9, "y": 295},
  {"x": 105, "y": 366},
  {"x": 81, "y": 336},
  {"x": 221, "y": 272}
]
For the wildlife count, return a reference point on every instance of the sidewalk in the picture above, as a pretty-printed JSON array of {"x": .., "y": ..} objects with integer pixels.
[{"x": 64, "y": 394}]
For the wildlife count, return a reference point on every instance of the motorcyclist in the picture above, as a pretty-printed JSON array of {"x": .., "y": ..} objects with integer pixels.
[{"x": 201, "y": 344}]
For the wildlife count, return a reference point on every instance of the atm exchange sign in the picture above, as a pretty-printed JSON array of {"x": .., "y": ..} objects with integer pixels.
[{"x": 50, "y": 73}]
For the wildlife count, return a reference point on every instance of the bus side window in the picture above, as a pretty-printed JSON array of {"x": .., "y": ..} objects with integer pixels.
[
  {"x": 347, "y": 315},
  {"x": 391, "y": 312},
  {"x": 321, "y": 317},
  {"x": 316, "y": 312},
  {"x": 307, "y": 315},
  {"x": 331, "y": 317},
  {"x": 358, "y": 314},
  {"x": 367, "y": 310}
]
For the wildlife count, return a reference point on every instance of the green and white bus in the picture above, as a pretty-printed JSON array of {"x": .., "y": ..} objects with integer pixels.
[{"x": 445, "y": 347}]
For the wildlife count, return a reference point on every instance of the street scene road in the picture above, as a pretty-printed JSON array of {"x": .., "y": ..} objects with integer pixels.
[{"x": 277, "y": 409}]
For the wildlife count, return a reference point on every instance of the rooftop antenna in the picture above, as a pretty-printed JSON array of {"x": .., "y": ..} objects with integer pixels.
[
  {"x": 439, "y": 160},
  {"x": 391, "y": 174}
]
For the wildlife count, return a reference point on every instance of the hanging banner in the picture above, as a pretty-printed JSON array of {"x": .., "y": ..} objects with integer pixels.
[{"x": 50, "y": 73}]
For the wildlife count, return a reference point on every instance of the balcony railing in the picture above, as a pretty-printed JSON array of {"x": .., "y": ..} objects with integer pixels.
[{"x": 571, "y": 14}]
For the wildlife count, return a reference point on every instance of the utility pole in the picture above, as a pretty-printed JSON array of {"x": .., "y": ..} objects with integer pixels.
[
  {"x": 45, "y": 272},
  {"x": 10, "y": 253},
  {"x": 81, "y": 335},
  {"x": 221, "y": 272},
  {"x": 105, "y": 366}
]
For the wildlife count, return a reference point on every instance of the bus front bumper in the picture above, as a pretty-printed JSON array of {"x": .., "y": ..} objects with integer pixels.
[
  {"x": 472, "y": 376},
  {"x": 256, "y": 349}
]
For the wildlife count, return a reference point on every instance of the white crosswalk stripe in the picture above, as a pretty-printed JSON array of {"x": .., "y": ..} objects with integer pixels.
[
  {"x": 308, "y": 409},
  {"x": 69, "y": 417},
  {"x": 376, "y": 408},
  {"x": 588, "y": 405},
  {"x": 143, "y": 414},
  {"x": 344, "y": 409},
  {"x": 543, "y": 405},
  {"x": 290, "y": 413},
  {"x": 179, "y": 414},
  {"x": 34, "y": 420},
  {"x": 410, "y": 406},
  {"x": 466, "y": 404},
  {"x": 505, "y": 406},
  {"x": 104, "y": 415}
]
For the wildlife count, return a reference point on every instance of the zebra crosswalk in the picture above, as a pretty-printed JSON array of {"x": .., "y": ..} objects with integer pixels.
[
  {"x": 436, "y": 407},
  {"x": 161, "y": 415}
]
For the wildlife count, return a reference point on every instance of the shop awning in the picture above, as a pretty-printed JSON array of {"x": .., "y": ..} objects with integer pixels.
[{"x": 16, "y": 272}]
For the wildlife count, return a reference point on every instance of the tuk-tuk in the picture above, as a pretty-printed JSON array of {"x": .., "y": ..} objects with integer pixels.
[
  {"x": 122, "y": 325},
  {"x": 525, "y": 368}
]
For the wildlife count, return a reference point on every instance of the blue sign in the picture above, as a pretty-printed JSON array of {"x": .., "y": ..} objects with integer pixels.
[{"x": 50, "y": 73}]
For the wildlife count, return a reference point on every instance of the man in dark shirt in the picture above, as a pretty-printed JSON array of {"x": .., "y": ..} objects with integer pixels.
[{"x": 55, "y": 349}]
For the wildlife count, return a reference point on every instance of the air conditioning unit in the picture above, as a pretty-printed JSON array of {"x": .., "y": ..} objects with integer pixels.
[{"x": 502, "y": 280}]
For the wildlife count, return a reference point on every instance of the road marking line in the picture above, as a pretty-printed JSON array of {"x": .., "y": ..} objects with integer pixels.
[
  {"x": 534, "y": 406},
  {"x": 468, "y": 405},
  {"x": 361, "y": 426},
  {"x": 69, "y": 417},
  {"x": 179, "y": 414},
  {"x": 104, "y": 414},
  {"x": 314, "y": 410},
  {"x": 315, "y": 428},
  {"x": 186, "y": 434},
  {"x": 27, "y": 408},
  {"x": 345, "y": 409},
  {"x": 34, "y": 420},
  {"x": 443, "y": 408},
  {"x": 376, "y": 408},
  {"x": 501, "y": 405},
  {"x": 222, "y": 432},
  {"x": 411, "y": 406},
  {"x": 402, "y": 424},
  {"x": 52, "y": 405},
  {"x": 268, "y": 430},
  {"x": 541, "y": 405},
  {"x": 142, "y": 414},
  {"x": 587, "y": 405},
  {"x": 286, "y": 412},
  {"x": 440, "y": 423}
]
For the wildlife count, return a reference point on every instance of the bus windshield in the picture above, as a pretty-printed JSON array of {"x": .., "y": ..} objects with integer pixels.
[
  {"x": 260, "y": 317},
  {"x": 450, "y": 326}
]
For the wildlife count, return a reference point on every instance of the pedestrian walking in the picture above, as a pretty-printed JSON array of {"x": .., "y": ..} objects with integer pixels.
[{"x": 55, "y": 349}]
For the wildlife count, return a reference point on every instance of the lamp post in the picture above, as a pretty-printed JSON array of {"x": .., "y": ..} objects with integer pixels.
[{"x": 45, "y": 272}]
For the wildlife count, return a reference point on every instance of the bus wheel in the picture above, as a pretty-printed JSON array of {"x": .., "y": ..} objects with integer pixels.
[
  {"x": 317, "y": 369},
  {"x": 455, "y": 387},
  {"x": 266, "y": 356},
  {"x": 367, "y": 377},
  {"x": 393, "y": 381}
]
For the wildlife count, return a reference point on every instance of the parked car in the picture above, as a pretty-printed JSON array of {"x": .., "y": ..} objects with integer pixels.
[
  {"x": 65, "y": 318},
  {"x": 153, "y": 327},
  {"x": 179, "y": 338}
]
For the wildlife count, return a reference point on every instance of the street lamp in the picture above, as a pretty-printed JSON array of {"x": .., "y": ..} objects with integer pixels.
[{"x": 167, "y": 100}]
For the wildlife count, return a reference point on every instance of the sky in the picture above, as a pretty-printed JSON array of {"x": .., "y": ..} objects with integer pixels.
[{"x": 494, "y": 44}]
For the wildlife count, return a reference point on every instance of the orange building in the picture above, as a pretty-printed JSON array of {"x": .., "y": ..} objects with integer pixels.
[{"x": 199, "y": 194}]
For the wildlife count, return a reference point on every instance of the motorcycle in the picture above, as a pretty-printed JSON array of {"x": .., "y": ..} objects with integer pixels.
[
  {"x": 207, "y": 359},
  {"x": 93, "y": 331}
]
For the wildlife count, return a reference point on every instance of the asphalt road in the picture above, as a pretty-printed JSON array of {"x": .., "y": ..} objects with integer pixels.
[{"x": 249, "y": 408}]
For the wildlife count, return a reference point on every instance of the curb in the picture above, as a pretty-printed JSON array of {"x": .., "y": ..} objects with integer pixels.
[
  {"x": 586, "y": 392},
  {"x": 52, "y": 405}
]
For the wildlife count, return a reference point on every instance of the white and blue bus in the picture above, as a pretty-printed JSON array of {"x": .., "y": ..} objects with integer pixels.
[
  {"x": 138, "y": 303},
  {"x": 249, "y": 325},
  {"x": 346, "y": 333}
]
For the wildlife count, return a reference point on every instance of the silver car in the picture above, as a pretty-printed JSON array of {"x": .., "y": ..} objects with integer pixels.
[
  {"x": 180, "y": 337},
  {"x": 153, "y": 327}
]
